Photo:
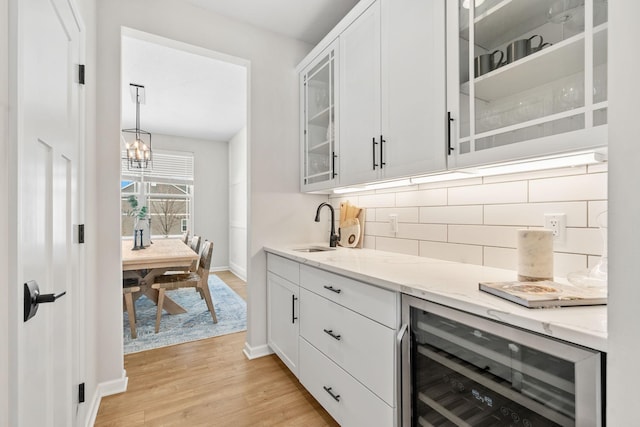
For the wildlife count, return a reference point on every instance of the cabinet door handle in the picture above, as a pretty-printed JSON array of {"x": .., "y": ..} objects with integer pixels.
[
  {"x": 382, "y": 141},
  {"x": 332, "y": 289},
  {"x": 293, "y": 309},
  {"x": 449, "y": 120},
  {"x": 336, "y": 397},
  {"x": 373, "y": 150},
  {"x": 333, "y": 164},
  {"x": 330, "y": 332}
]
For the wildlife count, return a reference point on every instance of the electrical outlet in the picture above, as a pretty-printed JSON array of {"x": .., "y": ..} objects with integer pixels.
[
  {"x": 393, "y": 222},
  {"x": 557, "y": 223}
]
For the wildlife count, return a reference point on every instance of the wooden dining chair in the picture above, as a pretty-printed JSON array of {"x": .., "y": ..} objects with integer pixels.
[
  {"x": 129, "y": 286},
  {"x": 195, "y": 244},
  {"x": 185, "y": 237},
  {"x": 198, "y": 280}
]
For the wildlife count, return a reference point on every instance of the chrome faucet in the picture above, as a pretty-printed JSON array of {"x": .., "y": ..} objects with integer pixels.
[{"x": 333, "y": 237}]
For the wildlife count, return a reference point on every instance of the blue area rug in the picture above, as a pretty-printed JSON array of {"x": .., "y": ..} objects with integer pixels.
[{"x": 193, "y": 325}]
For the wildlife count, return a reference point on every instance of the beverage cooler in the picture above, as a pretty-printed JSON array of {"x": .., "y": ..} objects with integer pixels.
[{"x": 459, "y": 369}]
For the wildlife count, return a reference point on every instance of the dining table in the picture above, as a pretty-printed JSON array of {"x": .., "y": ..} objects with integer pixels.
[{"x": 156, "y": 259}]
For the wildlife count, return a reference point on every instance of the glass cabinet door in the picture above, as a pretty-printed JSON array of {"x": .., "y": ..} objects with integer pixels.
[
  {"x": 319, "y": 127},
  {"x": 530, "y": 70}
]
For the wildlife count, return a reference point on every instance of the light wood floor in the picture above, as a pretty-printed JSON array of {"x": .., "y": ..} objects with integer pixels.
[{"x": 210, "y": 383}]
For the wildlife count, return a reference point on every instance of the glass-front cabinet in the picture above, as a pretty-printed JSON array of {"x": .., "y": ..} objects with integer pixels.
[
  {"x": 319, "y": 127},
  {"x": 526, "y": 78}
]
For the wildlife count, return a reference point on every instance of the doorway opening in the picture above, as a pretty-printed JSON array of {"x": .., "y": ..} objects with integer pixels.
[{"x": 196, "y": 109}]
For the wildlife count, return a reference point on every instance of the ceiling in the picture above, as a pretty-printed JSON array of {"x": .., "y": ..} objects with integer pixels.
[
  {"x": 305, "y": 20},
  {"x": 197, "y": 96},
  {"x": 186, "y": 94}
]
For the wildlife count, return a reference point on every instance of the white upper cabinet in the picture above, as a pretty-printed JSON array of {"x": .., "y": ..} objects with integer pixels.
[
  {"x": 360, "y": 98},
  {"x": 525, "y": 78},
  {"x": 413, "y": 87},
  {"x": 392, "y": 91},
  {"x": 319, "y": 104}
]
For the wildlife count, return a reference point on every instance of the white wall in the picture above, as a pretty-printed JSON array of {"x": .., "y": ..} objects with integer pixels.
[
  {"x": 211, "y": 190},
  {"x": 238, "y": 204},
  {"x": 4, "y": 201},
  {"x": 623, "y": 370},
  {"x": 272, "y": 142},
  {"x": 475, "y": 220}
]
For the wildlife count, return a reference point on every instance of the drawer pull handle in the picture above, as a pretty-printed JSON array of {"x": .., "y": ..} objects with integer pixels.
[
  {"x": 336, "y": 397},
  {"x": 332, "y": 289},
  {"x": 330, "y": 332},
  {"x": 293, "y": 309}
]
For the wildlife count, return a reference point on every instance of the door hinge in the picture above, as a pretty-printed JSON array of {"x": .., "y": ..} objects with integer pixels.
[
  {"x": 81, "y": 74},
  {"x": 80, "y": 233},
  {"x": 81, "y": 393}
]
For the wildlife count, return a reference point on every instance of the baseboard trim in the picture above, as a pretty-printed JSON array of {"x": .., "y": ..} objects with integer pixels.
[
  {"x": 104, "y": 389},
  {"x": 223, "y": 268},
  {"x": 256, "y": 352},
  {"x": 238, "y": 271}
]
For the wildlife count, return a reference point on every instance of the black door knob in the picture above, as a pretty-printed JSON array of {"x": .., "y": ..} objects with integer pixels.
[{"x": 32, "y": 298}]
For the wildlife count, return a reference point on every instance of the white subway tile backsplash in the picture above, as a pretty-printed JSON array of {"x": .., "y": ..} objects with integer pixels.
[
  {"x": 422, "y": 232},
  {"x": 506, "y": 258},
  {"x": 369, "y": 242},
  {"x": 506, "y": 192},
  {"x": 579, "y": 187},
  {"x": 532, "y": 214},
  {"x": 378, "y": 229},
  {"x": 489, "y": 235},
  {"x": 377, "y": 200},
  {"x": 404, "y": 214},
  {"x": 595, "y": 209},
  {"x": 468, "y": 254},
  {"x": 436, "y": 197},
  {"x": 564, "y": 264},
  {"x": 586, "y": 241},
  {"x": 475, "y": 220},
  {"x": 403, "y": 246},
  {"x": 471, "y": 214}
]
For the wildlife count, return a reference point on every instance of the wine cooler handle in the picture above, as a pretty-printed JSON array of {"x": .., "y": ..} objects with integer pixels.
[{"x": 402, "y": 356}]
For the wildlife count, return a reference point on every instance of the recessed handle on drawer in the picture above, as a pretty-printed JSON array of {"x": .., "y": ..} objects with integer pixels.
[
  {"x": 332, "y": 289},
  {"x": 330, "y": 332},
  {"x": 336, "y": 397}
]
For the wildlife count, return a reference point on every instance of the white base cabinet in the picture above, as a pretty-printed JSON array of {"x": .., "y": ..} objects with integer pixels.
[
  {"x": 283, "y": 323},
  {"x": 338, "y": 336}
]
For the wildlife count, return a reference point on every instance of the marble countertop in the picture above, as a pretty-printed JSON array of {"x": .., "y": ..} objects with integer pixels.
[{"x": 456, "y": 285}]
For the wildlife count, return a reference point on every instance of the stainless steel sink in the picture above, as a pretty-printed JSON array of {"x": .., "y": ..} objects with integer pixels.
[{"x": 315, "y": 249}]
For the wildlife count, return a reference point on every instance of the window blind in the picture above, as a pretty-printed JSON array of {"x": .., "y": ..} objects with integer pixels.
[{"x": 171, "y": 167}]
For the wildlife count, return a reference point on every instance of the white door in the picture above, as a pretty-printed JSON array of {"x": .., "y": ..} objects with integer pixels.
[
  {"x": 47, "y": 130},
  {"x": 360, "y": 99}
]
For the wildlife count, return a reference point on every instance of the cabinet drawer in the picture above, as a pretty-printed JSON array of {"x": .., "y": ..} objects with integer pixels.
[
  {"x": 284, "y": 268},
  {"x": 355, "y": 406},
  {"x": 362, "y": 347},
  {"x": 373, "y": 302}
]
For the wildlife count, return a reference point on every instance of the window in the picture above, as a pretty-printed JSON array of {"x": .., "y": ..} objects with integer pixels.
[{"x": 166, "y": 190}]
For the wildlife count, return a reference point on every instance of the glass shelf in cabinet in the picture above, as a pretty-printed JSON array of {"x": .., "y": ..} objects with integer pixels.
[
  {"x": 522, "y": 16},
  {"x": 557, "y": 61},
  {"x": 320, "y": 148},
  {"x": 322, "y": 117}
]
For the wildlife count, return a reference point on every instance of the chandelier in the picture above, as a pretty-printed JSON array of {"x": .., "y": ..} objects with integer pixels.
[{"x": 138, "y": 145}]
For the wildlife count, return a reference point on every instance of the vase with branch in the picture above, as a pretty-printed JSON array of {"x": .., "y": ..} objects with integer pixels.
[{"x": 141, "y": 231}]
